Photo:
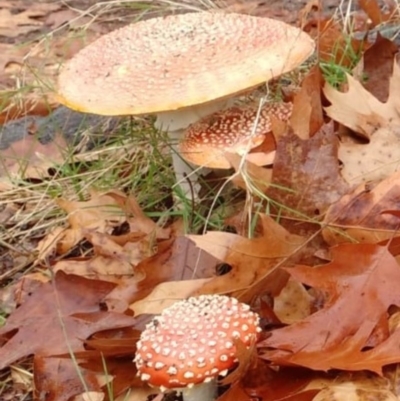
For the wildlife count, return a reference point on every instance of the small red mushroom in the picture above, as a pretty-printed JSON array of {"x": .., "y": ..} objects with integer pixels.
[
  {"x": 235, "y": 130},
  {"x": 192, "y": 342}
]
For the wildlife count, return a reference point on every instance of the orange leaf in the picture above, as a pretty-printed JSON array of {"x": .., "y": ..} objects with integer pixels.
[
  {"x": 361, "y": 283},
  {"x": 69, "y": 306}
]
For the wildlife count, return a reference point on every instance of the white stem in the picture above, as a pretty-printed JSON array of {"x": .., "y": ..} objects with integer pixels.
[
  {"x": 201, "y": 392},
  {"x": 186, "y": 174},
  {"x": 179, "y": 120},
  {"x": 175, "y": 123}
]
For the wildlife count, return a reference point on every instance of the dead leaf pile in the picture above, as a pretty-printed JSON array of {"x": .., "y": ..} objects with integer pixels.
[
  {"x": 362, "y": 285},
  {"x": 377, "y": 122},
  {"x": 315, "y": 250}
]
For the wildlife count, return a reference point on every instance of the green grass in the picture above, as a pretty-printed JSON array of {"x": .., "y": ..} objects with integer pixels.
[
  {"x": 135, "y": 159},
  {"x": 334, "y": 71}
]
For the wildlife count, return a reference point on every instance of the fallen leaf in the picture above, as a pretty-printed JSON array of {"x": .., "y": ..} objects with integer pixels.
[
  {"x": 140, "y": 394},
  {"x": 357, "y": 109},
  {"x": 101, "y": 213},
  {"x": 378, "y": 67},
  {"x": 249, "y": 175},
  {"x": 48, "y": 245},
  {"x": 175, "y": 260},
  {"x": 300, "y": 118},
  {"x": 60, "y": 380},
  {"x": 305, "y": 175},
  {"x": 30, "y": 158},
  {"x": 7, "y": 299},
  {"x": 307, "y": 118},
  {"x": 359, "y": 386},
  {"x": 110, "y": 262},
  {"x": 335, "y": 336},
  {"x": 379, "y": 122},
  {"x": 358, "y": 216},
  {"x": 27, "y": 285},
  {"x": 57, "y": 318},
  {"x": 272, "y": 385},
  {"x": 260, "y": 158},
  {"x": 391, "y": 374},
  {"x": 251, "y": 260},
  {"x": 138, "y": 221},
  {"x": 374, "y": 161},
  {"x": 293, "y": 303},
  {"x": 166, "y": 294},
  {"x": 122, "y": 371},
  {"x": 8, "y": 213},
  {"x": 21, "y": 378}
]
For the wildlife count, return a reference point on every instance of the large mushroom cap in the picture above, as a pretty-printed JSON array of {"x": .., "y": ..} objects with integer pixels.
[
  {"x": 173, "y": 62},
  {"x": 234, "y": 130},
  {"x": 192, "y": 341}
]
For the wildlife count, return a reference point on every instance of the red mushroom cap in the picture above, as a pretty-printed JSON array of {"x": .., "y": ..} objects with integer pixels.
[
  {"x": 191, "y": 342},
  {"x": 178, "y": 61},
  {"x": 230, "y": 130}
]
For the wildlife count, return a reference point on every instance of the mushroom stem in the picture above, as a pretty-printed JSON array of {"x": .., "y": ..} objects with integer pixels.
[
  {"x": 201, "y": 392},
  {"x": 175, "y": 123},
  {"x": 186, "y": 174}
]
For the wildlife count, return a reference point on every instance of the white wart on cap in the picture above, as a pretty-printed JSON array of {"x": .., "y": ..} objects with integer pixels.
[
  {"x": 191, "y": 342},
  {"x": 234, "y": 130}
]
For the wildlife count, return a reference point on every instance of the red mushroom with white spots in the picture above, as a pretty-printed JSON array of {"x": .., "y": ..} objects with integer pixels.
[
  {"x": 192, "y": 342},
  {"x": 180, "y": 68},
  {"x": 235, "y": 130}
]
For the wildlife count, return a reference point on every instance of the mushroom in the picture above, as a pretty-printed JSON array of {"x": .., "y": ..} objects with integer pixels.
[
  {"x": 192, "y": 342},
  {"x": 180, "y": 67},
  {"x": 235, "y": 130}
]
